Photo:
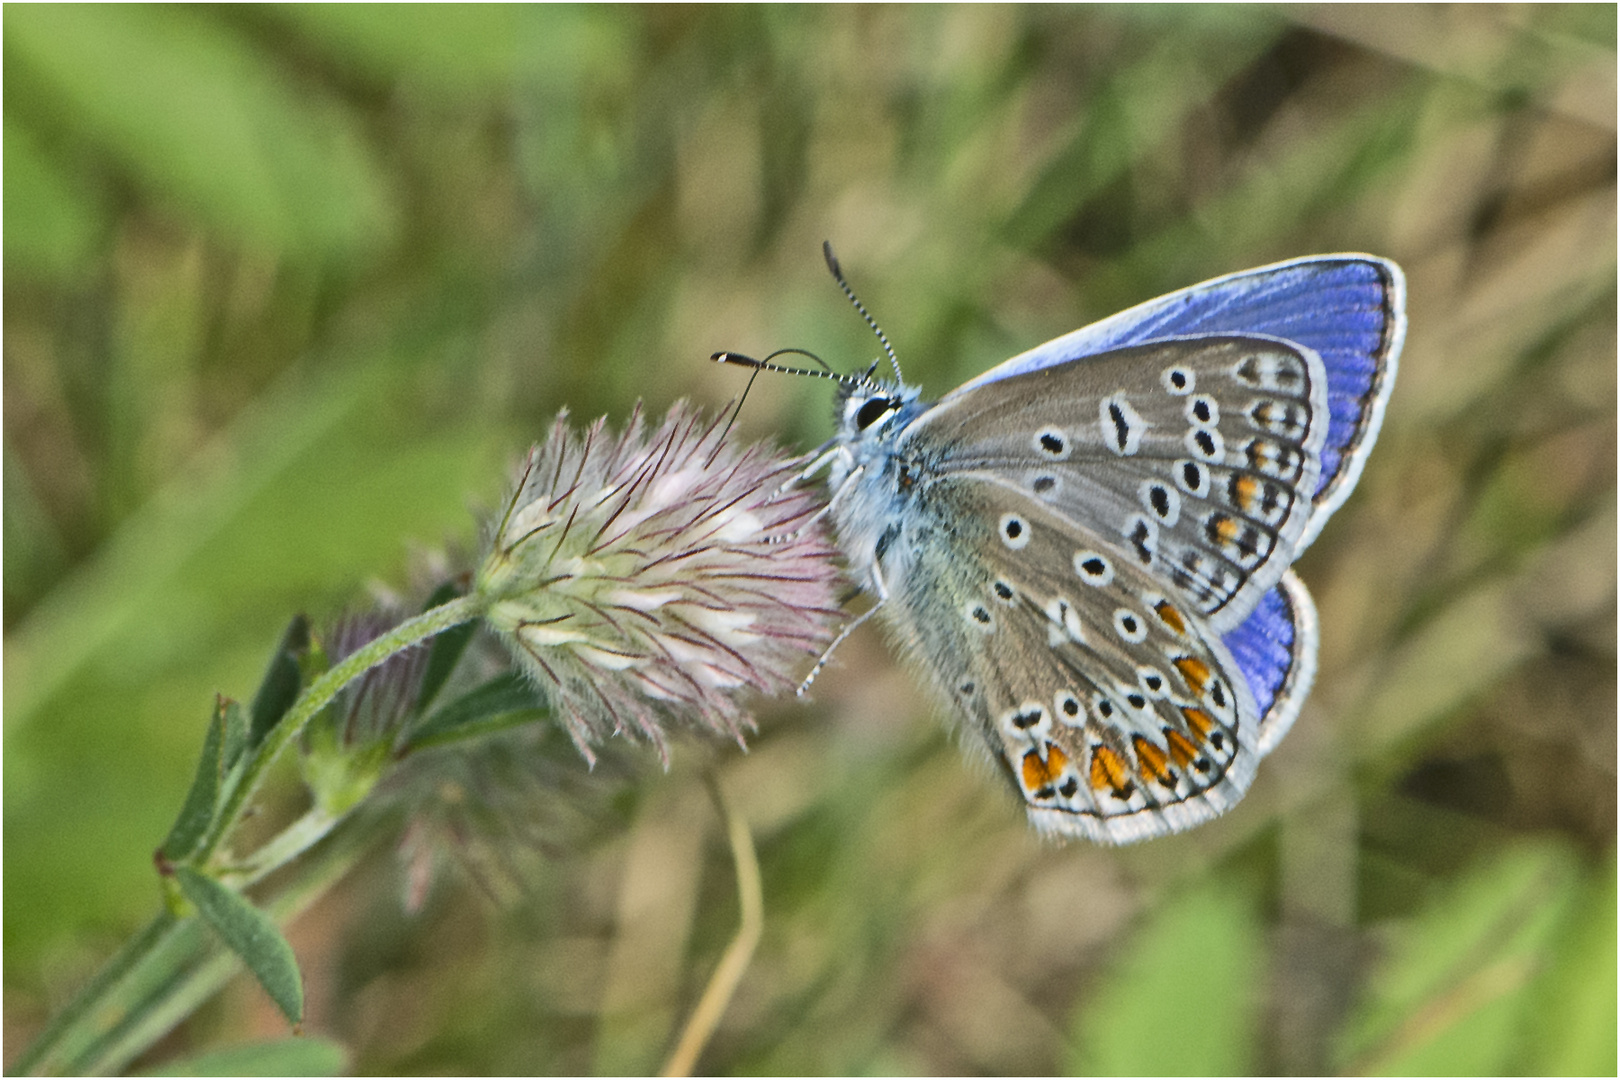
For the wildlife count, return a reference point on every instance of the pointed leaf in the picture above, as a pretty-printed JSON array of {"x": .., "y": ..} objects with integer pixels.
[
  {"x": 508, "y": 697},
  {"x": 236, "y": 734},
  {"x": 252, "y": 936},
  {"x": 282, "y": 681},
  {"x": 198, "y": 810},
  {"x": 278, "y": 1057},
  {"x": 446, "y": 649}
]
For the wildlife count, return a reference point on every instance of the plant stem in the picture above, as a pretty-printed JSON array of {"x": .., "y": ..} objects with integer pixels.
[
  {"x": 71, "y": 1021},
  {"x": 319, "y": 693},
  {"x": 157, "y": 977},
  {"x": 734, "y": 961}
]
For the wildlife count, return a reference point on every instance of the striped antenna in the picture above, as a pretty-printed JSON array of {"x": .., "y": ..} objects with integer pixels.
[
  {"x": 766, "y": 365},
  {"x": 838, "y": 276}
]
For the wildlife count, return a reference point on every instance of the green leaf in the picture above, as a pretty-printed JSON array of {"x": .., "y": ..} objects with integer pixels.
[
  {"x": 446, "y": 649},
  {"x": 236, "y": 734},
  {"x": 282, "y": 681},
  {"x": 198, "y": 810},
  {"x": 501, "y": 702},
  {"x": 251, "y": 935},
  {"x": 277, "y": 1057},
  {"x": 1200, "y": 959}
]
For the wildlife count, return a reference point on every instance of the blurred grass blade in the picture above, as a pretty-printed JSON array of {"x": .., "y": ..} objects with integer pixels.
[
  {"x": 278, "y": 1057},
  {"x": 1184, "y": 993},
  {"x": 54, "y": 220},
  {"x": 204, "y": 119},
  {"x": 252, "y": 936},
  {"x": 1572, "y": 1029},
  {"x": 1450, "y": 996}
]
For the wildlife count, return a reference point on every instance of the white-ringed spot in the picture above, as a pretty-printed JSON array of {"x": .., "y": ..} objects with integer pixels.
[
  {"x": 1163, "y": 502},
  {"x": 1004, "y": 592},
  {"x": 1178, "y": 380},
  {"x": 1069, "y": 709},
  {"x": 1191, "y": 477},
  {"x": 1129, "y": 626},
  {"x": 1122, "y": 426},
  {"x": 1202, "y": 411},
  {"x": 1014, "y": 531},
  {"x": 1051, "y": 442},
  {"x": 1094, "y": 569},
  {"x": 1205, "y": 443}
]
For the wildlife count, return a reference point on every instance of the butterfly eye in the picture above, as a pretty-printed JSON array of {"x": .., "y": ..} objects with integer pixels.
[{"x": 871, "y": 411}]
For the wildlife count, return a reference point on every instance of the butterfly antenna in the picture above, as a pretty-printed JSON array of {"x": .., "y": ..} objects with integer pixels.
[
  {"x": 826, "y": 372},
  {"x": 838, "y": 276}
]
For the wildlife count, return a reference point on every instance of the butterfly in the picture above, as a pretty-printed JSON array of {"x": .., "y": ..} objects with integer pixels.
[{"x": 1086, "y": 549}]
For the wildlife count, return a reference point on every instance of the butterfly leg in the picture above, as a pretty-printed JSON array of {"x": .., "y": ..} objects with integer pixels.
[
  {"x": 819, "y": 514},
  {"x": 883, "y": 595}
]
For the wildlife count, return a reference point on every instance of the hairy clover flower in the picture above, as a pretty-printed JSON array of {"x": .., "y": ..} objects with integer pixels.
[{"x": 656, "y": 575}]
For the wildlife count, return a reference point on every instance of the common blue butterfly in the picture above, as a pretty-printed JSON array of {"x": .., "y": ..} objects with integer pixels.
[{"x": 1087, "y": 548}]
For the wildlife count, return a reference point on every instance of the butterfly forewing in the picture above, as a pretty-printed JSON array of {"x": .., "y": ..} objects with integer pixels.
[
  {"x": 1349, "y": 309},
  {"x": 1117, "y": 713},
  {"x": 1193, "y": 458}
]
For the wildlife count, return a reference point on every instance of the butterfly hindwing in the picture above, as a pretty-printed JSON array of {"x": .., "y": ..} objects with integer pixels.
[
  {"x": 1193, "y": 457},
  {"x": 1117, "y": 713},
  {"x": 1275, "y": 649}
]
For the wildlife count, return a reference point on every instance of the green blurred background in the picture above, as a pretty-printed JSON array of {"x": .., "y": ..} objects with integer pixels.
[{"x": 288, "y": 290}]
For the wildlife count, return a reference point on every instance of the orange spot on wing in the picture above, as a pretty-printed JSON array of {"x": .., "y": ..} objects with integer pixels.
[
  {"x": 1200, "y": 721},
  {"x": 1244, "y": 488},
  {"x": 1108, "y": 771},
  {"x": 1194, "y": 670},
  {"x": 1182, "y": 751},
  {"x": 1152, "y": 761},
  {"x": 1040, "y": 774},
  {"x": 1227, "y": 529},
  {"x": 1170, "y": 616}
]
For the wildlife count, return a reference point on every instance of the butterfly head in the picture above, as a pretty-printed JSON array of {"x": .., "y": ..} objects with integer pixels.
[{"x": 871, "y": 415}]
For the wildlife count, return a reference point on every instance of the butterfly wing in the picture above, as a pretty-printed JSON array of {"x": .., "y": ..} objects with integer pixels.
[
  {"x": 1348, "y": 309},
  {"x": 1275, "y": 649},
  {"x": 1192, "y": 458},
  {"x": 1117, "y": 713}
]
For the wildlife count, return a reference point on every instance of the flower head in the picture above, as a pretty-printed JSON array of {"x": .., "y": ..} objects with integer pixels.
[{"x": 658, "y": 574}]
